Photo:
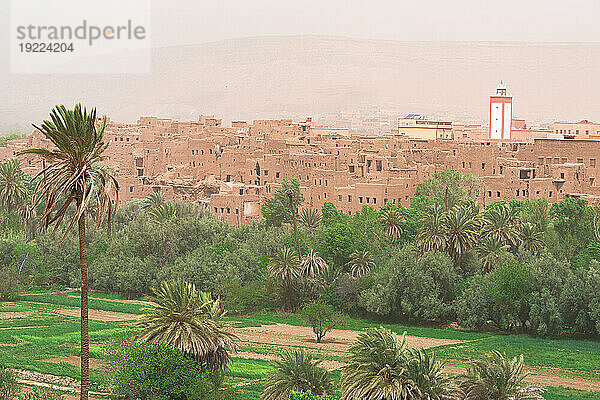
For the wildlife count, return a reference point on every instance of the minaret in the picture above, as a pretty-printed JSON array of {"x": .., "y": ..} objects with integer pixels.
[{"x": 500, "y": 114}]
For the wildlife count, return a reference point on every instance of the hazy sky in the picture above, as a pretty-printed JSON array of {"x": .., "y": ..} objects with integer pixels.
[
  {"x": 520, "y": 20},
  {"x": 197, "y": 21}
]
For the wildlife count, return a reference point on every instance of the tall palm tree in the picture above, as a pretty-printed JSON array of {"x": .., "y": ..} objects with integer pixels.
[
  {"x": 285, "y": 268},
  {"x": 293, "y": 211},
  {"x": 296, "y": 372},
  {"x": 310, "y": 219},
  {"x": 190, "y": 321},
  {"x": 500, "y": 221},
  {"x": 499, "y": 378},
  {"x": 13, "y": 185},
  {"x": 73, "y": 173},
  {"x": 391, "y": 220},
  {"x": 431, "y": 235},
  {"x": 381, "y": 367},
  {"x": 312, "y": 264},
  {"x": 361, "y": 263},
  {"x": 489, "y": 250},
  {"x": 462, "y": 224},
  {"x": 531, "y": 238}
]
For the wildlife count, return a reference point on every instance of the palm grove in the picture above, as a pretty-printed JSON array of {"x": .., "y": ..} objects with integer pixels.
[{"x": 523, "y": 266}]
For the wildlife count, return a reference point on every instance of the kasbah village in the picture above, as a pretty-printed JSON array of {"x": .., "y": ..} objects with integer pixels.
[{"x": 229, "y": 170}]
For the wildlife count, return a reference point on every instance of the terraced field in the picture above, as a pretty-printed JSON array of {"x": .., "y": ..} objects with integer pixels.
[{"x": 39, "y": 336}]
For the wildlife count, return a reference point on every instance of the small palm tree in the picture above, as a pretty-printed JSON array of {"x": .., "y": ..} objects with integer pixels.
[
  {"x": 285, "y": 268},
  {"x": 499, "y": 378},
  {"x": 462, "y": 225},
  {"x": 381, "y": 367},
  {"x": 13, "y": 185},
  {"x": 377, "y": 368},
  {"x": 310, "y": 218},
  {"x": 164, "y": 211},
  {"x": 431, "y": 235},
  {"x": 152, "y": 201},
  {"x": 297, "y": 372},
  {"x": 190, "y": 321},
  {"x": 361, "y": 263},
  {"x": 391, "y": 220},
  {"x": 74, "y": 174},
  {"x": 428, "y": 377},
  {"x": 489, "y": 251},
  {"x": 531, "y": 238},
  {"x": 312, "y": 264}
]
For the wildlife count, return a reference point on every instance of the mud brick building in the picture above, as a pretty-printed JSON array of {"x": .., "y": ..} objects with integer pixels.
[{"x": 229, "y": 170}]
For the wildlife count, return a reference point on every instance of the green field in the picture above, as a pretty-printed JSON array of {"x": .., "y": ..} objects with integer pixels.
[{"x": 42, "y": 335}]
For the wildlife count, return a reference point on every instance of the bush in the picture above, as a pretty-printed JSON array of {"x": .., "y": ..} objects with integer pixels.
[
  {"x": 247, "y": 299},
  {"x": 41, "y": 394},
  {"x": 151, "y": 371},
  {"x": 309, "y": 396},
  {"x": 411, "y": 287},
  {"x": 9, "y": 385}
]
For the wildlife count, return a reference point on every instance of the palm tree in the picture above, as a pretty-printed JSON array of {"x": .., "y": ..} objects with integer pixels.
[
  {"x": 310, "y": 219},
  {"x": 531, "y": 238},
  {"x": 312, "y": 264},
  {"x": 189, "y": 320},
  {"x": 13, "y": 185},
  {"x": 391, "y": 220},
  {"x": 285, "y": 268},
  {"x": 499, "y": 378},
  {"x": 501, "y": 221},
  {"x": 489, "y": 251},
  {"x": 164, "y": 211},
  {"x": 296, "y": 371},
  {"x": 74, "y": 174},
  {"x": 462, "y": 225},
  {"x": 431, "y": 235},
  {"x": 428, "y": 377},
  {"x": 152, "y": 201},
  {"x": 361, "y": 262},
  {"x": 381, "y": 367}
]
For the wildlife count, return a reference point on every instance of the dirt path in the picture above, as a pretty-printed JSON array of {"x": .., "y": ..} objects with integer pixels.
[
  {"x": 98, "y": 315},
  {"x": 336, "y": 340},
  {"x": 15, "y": 314},
  {"x": 139, "y": 302}
]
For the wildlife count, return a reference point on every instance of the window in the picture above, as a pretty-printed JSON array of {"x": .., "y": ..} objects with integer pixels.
[
  {"x": 562, "y": 175},
  {"x": 130, "y": 189},
  {"x": 374, "y": 200},
  {"x": 497, "y": 194},
  {"x": 360, "y": 199},
  {"x": 482, "y": 165},
  {"x": 276, "y": 174},
  {"x": 349, "y": 198}
]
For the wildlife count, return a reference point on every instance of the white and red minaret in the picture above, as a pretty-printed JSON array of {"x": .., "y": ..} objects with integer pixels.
[{"x": 500, "y": 114}]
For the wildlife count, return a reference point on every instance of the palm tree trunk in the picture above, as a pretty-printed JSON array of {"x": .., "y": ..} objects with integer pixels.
[
  {"x": 85, "y": 341},
  {"x": 293, "y": 210}
]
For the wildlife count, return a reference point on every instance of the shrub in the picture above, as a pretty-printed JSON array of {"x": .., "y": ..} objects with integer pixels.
[
  {"x": 410, "y": 287},
  {"x": 151, "y": 371},
  {"x": 309, "y": 396},
  {"x": 41, "y": 394},
  {"x": 9, "y": 386}
]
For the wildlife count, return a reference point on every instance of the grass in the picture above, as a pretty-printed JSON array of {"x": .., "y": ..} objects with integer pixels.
[
  {"x": 50, "y": 336},
  {"x": 94, "y": 304}
]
